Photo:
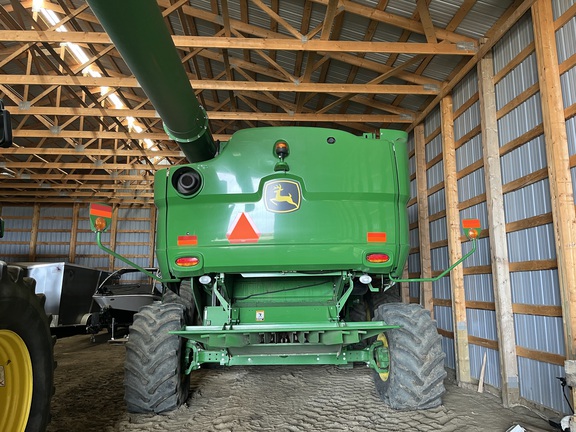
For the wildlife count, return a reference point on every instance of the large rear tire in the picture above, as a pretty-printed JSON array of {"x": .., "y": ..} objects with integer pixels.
[
  {"x": 154, "y": 380},
  {"x": 416, "y": 376},
  {"x": 26, "y": 354}
]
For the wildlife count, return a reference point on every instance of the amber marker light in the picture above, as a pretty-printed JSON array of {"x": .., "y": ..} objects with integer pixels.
[
  {"x": 471, "y": 228},
  {"x": 187, "y": 261},
  {"x": 100, "y": 224},
  {"x": 472, "y": 233},
  {"x": 281, "y": 149},
  {"x": 377, "y": 258}
]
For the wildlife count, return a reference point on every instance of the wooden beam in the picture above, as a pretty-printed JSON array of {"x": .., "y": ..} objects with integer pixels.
[
  {"x": 223, "y": 85},
  {"x": 216, "y": 115},
  {"x": 423, "y": 222},
  {"x": 426, "y": 20},
  {"x": 205, "y": 42},
  {"x": 561, "y": 192},
  {"x": 454, "y": 245},
  {"x": 498, "y": 240},
  {"x": 397, "y": 21}
]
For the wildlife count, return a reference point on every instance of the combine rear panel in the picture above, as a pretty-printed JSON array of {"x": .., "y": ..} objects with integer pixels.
[{"x": 340, "y": 199}]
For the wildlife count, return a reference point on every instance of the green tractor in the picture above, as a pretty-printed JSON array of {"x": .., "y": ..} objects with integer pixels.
[
  {"x": 26, "y": 345},
  {"x": 275, "y": 248}
]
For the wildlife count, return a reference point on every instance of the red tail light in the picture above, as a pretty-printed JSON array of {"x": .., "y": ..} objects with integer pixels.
[
  {"x": 377, "y": 258},
  {"x": 187, "y": 261}
]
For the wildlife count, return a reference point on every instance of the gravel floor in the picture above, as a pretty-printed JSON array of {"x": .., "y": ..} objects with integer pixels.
[{"x": 89, "y": 397}]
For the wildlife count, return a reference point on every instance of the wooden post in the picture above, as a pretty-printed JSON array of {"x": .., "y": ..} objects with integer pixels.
[
  {"x": 426, "y": 295},
  {"x": 561, "y": 192},
  {"x": 111, "y": 259},
  {"x": 454, "y": 245},
  {"x": 74, "y": 233},
  {"x": 405, "y": 286},
  {"x": 34, "y": 232},
  {"x": 498, "y": 240}
]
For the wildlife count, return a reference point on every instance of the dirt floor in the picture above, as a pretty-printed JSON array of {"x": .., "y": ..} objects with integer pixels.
[{"x": 89, "y": 397}]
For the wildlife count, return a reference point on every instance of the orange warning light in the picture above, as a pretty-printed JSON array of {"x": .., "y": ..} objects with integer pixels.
[{"x": 100, "y": 224}]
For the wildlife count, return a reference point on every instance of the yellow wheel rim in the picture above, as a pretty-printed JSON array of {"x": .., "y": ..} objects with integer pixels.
[
  {"x": 382, "y": 338},
  {"x": 15, "y": 382}
]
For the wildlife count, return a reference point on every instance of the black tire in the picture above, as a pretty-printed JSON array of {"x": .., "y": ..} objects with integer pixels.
[
  {"x": 22, "y": 312},
  {"x": 416, "y": 378},
  {"x": 185, "y": 299},
  {"x": 154, "y": 379}
]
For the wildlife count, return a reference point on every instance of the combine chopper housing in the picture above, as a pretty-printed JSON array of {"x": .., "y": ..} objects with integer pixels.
[{"x": 275, "y": 247}]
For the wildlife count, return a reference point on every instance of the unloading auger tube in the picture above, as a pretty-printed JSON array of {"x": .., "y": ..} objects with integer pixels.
[{"x": 138, "y": 30}]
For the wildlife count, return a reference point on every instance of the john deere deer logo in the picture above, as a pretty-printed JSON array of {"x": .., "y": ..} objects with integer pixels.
[{"x": 282, "y": 196}]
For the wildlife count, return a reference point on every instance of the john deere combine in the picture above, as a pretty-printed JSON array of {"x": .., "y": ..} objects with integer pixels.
[{"x": 274, "y": 247}]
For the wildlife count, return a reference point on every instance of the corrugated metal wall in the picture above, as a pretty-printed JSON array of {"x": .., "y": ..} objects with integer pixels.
[
  {"x": 59, "y": 235},
  {"x": 480, "y": 309},
  {"x": 527, "y": 204},
  {"x": 15, "y": 246},
  {"x": 527, "y": 207}
]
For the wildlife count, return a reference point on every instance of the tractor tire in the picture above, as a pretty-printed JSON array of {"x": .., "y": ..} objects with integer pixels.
[
  {"x": 26, "y": 354},
  {"x": 185, "y": 299},
  {"x": 416, "y": 376},
  {"x": 154, "y": 379}
]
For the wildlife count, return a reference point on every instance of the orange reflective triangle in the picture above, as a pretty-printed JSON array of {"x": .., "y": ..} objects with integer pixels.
[{"x": 243, "y": 231}]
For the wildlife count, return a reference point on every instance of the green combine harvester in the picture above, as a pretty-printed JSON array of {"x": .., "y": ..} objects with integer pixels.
[{"x": 275, "y": 248}]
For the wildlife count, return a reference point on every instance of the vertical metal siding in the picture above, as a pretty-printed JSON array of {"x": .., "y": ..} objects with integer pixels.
[
  {"x": 492, "y": 371},
  {"x": 443, "y": 317},
  {"x": 543, "y": 387},
  {"x": 441, "y": 288},
  {"x": 413, "y": 214},
  {"x": 478, "y": 211},
  {"x": 414, "y": 289},
  {"x": 524, "y": 160},
  {"x": 482, "y": 323},
  {"x": 432, "y": 121},
  {"x": 516, "y": 81},
  {"x": 532, "y": 244},
  {"x": 87, "y": 251},
  {"x": 18, "y": 226},
  {"x": 435, "y": 174},
  {"x": 414, "y": 263},
  {"x": 561, "y": 6},
  {"x": 433, "y": 148},
  {"x": 467, "y": 121},
  {"x": 519, "y": 37},
  {"x": 469, "y": 152},
  {"x": 479, "y": 287},
  {"x": 439, "y": 258},
  {"x": 465, "y": 89},
  {"x": 133, "y": 236},
  {"x": 482, "y": 255},
  {"x": 54, "y": 243},
  {"x": 541, "y": 333},
  {"x": 571, "y": 134},
  {"x": 438, "y": 230},
  {"x": 414, "y": 238},
  {"x": 436, "y": 202},
  {"x": 568, "y": 85},
  {"x": 536, "y": 287},
  {"x": 448, "y": 348},
  {"x": 529, "y": 201},
  {"x": 471, "y": 185},
  {"x": 566, "y": 40},
  {"x": 524, "y": 118}
]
